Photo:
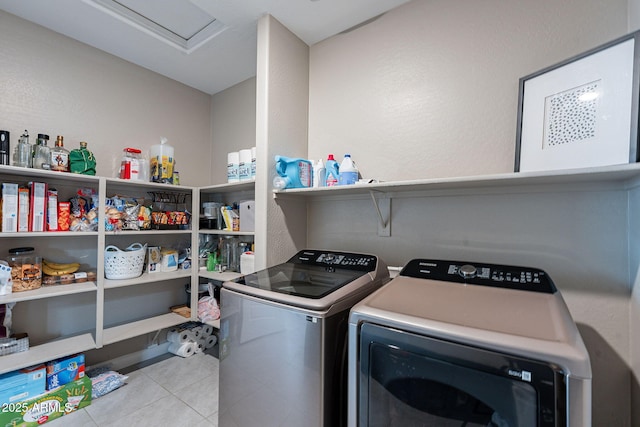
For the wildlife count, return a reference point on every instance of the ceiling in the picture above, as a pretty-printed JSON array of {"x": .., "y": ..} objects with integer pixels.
[{"x": 206, "y": 44}]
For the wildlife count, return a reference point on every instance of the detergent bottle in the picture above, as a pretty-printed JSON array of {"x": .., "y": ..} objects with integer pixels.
[
  {"x": 292, "y": 173},
  {"x": 319, "y": 174},
  {"x": 332, "y": 169},
  {"x": 348, "y": 171}
]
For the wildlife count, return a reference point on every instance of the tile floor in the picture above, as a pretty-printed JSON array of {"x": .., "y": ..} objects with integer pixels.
[{"x": 174, "y": 391}]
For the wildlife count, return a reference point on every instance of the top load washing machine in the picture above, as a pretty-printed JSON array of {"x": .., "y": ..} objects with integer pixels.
[
  {"x": 450, "y": 343},
  {"x": 283, "y": 339}
]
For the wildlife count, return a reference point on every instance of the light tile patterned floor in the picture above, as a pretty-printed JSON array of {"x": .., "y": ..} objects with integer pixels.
[{"x": 172, "y": 392}]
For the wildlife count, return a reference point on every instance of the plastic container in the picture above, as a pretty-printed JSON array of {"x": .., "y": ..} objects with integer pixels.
[
  {"x": 161, "y": 162},
  {"x": 26, "y": 269},
  {"x": 348, "y": 171},
  {"x": 42, "y": 153},
  {"x": 319, "y": 174},
  {"x": 293, "y": 173},
  {"x": 233, "y": 166},
  {"x": 244, "y": 166},
  {"x": 253, "y": 163},
  {"x": 332, "y": 171},
  {"x": 130, "y": 165}
]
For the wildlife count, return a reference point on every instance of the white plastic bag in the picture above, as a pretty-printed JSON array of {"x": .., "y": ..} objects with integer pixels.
[{"x": 208, "y": 309}]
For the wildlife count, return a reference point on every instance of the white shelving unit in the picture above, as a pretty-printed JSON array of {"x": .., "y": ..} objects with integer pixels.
[
  {"x": 46, "y": 340},
  {"x": 225, "y": 193}
]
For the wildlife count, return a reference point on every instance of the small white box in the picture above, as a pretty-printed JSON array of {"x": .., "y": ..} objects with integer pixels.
[
  {"x": 9, "y": 207},
  {"x": 247, "y": 215},
  {"x": 154, "y": 259}
]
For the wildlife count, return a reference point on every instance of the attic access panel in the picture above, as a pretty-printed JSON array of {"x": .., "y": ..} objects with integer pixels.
[{"x": 178, "y": 23}]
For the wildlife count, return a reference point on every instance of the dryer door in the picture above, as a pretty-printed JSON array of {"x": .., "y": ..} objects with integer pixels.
[{"x": 408, "y": 380}]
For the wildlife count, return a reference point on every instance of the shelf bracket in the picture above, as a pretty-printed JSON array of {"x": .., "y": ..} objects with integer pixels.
[{"x": 383, "y": 208}]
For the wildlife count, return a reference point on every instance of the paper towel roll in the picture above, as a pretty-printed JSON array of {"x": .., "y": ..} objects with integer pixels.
[
  {"x": 196, "y": 331},
  {"x": 180, "y": 336},
  {"x": 200, "y": 345},
  {"x": 210, "y": 342},
  {"x": 207, "y": 330},
  {"x": 183, "y": 350}
]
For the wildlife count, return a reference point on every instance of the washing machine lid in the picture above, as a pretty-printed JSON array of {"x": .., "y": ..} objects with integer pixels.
[{"x": 312, "y": 279}]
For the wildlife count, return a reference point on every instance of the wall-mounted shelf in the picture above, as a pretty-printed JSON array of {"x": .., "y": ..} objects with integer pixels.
[
  {"x": 49, "y": 292},
  {"x": 619, "y": 175},
  {"x": 134, "y": 329}
]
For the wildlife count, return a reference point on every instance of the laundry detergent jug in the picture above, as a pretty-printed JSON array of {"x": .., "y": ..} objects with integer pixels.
[{"x": 292, "y": 173}]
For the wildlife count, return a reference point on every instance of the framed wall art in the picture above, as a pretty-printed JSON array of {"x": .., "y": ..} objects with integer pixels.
[{"x": 582, "y": 112}]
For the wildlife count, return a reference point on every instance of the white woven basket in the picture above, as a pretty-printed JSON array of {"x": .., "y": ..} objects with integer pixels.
[{"x": 127, "y": 264}]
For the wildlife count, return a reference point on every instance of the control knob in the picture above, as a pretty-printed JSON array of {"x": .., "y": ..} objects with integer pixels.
[{"x": 467, "y": 271}]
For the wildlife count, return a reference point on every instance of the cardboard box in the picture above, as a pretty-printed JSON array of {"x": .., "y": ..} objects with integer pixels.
[
  {"x": 154, "y": 259},
  {"x": 38, "y": 213},
  {"x": 52, "y": 210},
  {"x": 248, "y": 215},
  {"x": 64, "y": 370},
  {"x": 48, "y": 406},
  {"x": 22, "y": 384},
  {"x": 23, "y": 209},
  {"x": 9, "y": 207}
]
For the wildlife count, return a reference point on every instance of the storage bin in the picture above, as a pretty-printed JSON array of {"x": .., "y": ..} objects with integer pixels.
[
  {"x": 26, "y": 269},
  {"x": 124, "y": 264}
]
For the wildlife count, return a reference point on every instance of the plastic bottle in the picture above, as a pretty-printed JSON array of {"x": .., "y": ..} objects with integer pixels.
[
  {"x": 161, "y": 162},
  {"x": 348, "y": 171},
  {"x": 42, "y": 152},
  {"x": 319, "y": 174},
  {"x": 293, "y": 173},
  {"x": 332, "y": 171},
  {"x": 233, "y": 166}
]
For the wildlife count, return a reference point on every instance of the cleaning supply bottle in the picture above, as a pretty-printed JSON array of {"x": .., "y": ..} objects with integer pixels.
[
  {"x": 332, "y": 171},
  {"x": 319, "y": 174},
  {"x": 292, "y": 173},
  {"x": 348, "y": 171}
]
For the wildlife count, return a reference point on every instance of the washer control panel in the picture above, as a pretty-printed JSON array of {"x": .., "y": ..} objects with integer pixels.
[
  {"x": 346, "y": 260},
  {"x": 502, "y": 276}
]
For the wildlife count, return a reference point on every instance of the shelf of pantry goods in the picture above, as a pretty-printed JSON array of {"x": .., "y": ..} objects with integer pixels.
[
  {"x": 229, "y": 187},
  {"x": 48, "y": 351},
  {"x": 617, "y": 176}
]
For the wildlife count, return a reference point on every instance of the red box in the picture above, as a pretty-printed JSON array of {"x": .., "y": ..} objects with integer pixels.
[{"x": 64, "y": 216}]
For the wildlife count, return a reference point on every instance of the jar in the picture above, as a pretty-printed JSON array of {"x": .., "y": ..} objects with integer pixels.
[
  {"x": 130, "y": 164},
  {"x": 23, "y": 156},
  {"x": 26, "y": 269}
]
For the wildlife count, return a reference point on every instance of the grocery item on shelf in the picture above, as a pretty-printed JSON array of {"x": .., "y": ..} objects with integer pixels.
[
  {"x": 64, "y": 370},
  {"x": 162, "y": 162},
  {"x": 5, "y": 147},
  {"x": 67, "y": 279},
  {"x": 42, "y": 153},
  {"x": 59, "y": 156},
  {"x": 233, "y": 167},
  {"x": 82, "y": 161},
  {"x": 26, "y": 269},
  {"x": 6, "y": 284},
  {"x": 23, "y": 155},
  {"x": 124, "y": 264},
  {"x": 58, "y": 269}
]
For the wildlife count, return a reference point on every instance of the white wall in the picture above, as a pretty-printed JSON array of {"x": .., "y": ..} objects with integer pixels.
[
  {"x": 52, "y": 84},
  {"x": 430, "y": 90},
  {"x": 233, "y": 125}
]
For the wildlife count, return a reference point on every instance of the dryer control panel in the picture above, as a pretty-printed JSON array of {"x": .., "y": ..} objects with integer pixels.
[
  {"x": 346, "y": 260},
  {"x": 502, "y": 276}
]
